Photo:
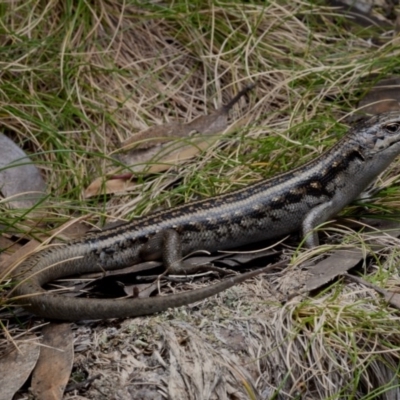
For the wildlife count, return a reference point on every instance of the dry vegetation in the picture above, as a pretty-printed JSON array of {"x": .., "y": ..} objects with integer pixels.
[{"x": 79, "y": 77}]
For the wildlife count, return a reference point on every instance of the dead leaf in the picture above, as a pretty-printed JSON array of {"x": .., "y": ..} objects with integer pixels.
[
  {"x": 16, "y": 366},
  {"x": 20, "y": 181},
  {"x": 341, "y": 261},
  {"x": 245, "y": 257},
  {"x": 335, "y": 265},
  {"x": 392, "y": 298},
  {"x": 156, "y": 149},
  {"x": 383, "y": 97},
  {"x": 384, "y": 226},
  {"x": 161, "y": 157},
  {"x": 107, "y": 186},
  {"x": 54, "y": 366},
  {"x": 167, "y": 157},
  {"x": 205, "y": 124}
]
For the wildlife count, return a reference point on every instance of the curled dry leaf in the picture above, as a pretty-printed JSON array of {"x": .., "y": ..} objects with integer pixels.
[
  {"x": 175, "y": 153},
  {"x": 157, "y": 149},
  {"x": 204, "y": 124},
  {"x": 20, "y": 181}
]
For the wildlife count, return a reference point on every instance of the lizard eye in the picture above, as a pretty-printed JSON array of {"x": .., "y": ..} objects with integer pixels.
[{"x": 394, "y": 127}]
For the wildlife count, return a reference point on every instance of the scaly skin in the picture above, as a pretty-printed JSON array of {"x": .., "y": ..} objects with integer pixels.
[{"x": 299, "y": 199}]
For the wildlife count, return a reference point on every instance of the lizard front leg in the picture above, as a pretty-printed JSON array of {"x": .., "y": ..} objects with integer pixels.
[{"x": 316, "y": 216}]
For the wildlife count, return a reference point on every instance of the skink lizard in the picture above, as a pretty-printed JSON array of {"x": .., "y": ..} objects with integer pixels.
[{"x": 300, "y": 199}]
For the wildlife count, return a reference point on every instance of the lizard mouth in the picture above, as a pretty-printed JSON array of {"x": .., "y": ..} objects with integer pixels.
[{"x": 384, "y": 147}]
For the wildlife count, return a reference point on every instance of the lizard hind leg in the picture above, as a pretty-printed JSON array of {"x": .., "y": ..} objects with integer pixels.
[{"x": 165, "y": 245}]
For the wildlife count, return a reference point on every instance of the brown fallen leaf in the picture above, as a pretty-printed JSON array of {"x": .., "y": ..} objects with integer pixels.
[
  {"x": 383, "y": 97},
  {"x": 161, "y": 157},
  {"x": 156, "y": 149},
  {"x": 246, "y": 257},
  {"x": 141, "y": 267},
  {"x": 335, "y": 265},
  {"x": 205, "y": 124},
  {"x": 106, "y": 185},
  {"x": 20, "y": 181},
  {"x": 16, "y": 366},
  {"x": 341, "y": 261},
  {"x": 109, "y": 184},
  {"x": 54, "y": 366}
]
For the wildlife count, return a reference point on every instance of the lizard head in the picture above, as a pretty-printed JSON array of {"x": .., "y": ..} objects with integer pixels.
[{"x": 379, "y": 134}]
